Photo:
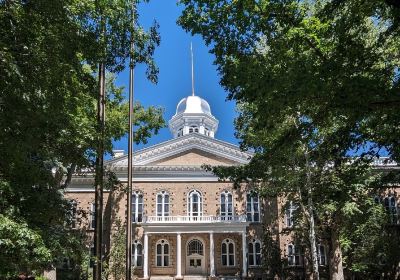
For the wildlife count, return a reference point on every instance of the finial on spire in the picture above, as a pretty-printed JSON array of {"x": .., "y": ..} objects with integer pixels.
[{"x": 191, "y": 52}]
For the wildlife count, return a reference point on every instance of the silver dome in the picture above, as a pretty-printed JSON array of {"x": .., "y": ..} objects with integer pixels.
[{"x": 193, "y": 105}]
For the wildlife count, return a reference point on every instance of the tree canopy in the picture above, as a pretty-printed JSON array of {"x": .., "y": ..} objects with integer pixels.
[
  {"x": 316, "y": 82},
  {"x": 48, "y": 89}
]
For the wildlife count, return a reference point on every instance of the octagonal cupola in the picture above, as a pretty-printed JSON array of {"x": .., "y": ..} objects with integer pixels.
[{"x": 193, "y": 115}]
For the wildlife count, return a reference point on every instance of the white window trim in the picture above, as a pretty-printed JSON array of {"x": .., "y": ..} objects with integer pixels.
[
  {"x": 135, "y": 207},
  {"x": 200, "y": 247},
  {"x": 92, "y": 256},
  {"x": 290, "y": 209},
  {"x": 190, "y": 203},
  {"x": 135, "y": 253},
  {"x": 74, "y": 213},
  {"x": 92, "y": 212},
  {"x": 163, "y": 203},
  {"x": 228, "y": 241},
  {"x": 295, "y": 253},
  {"x": 162, "y": 255},
  {"x": 226, "y": 214},
  {"x": 392, "y": 210},
  {"x": 253, "y": 244},
  {"x": 252, "y": 212},
  {"x": 320, "y": 256}
]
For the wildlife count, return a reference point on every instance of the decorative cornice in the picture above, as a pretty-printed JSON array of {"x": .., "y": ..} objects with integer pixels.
[{"x": 182, "y": 144}]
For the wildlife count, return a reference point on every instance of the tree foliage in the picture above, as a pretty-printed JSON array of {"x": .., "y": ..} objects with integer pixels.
[
  {"x": 315, "y": 82},
  {"x": 48, "y": 89}
]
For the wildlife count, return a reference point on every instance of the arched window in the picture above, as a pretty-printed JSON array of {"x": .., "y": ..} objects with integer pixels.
[
  {"x": 163, "y": 204},
  {"x": 321, "y": 252},
  {"x": 254, "y": 248},
  {"x": 391, "y": 207},
  {"x": 73, "y": 213},
  {"x": 226, "y": 205},
  {"x": 253, "y": 208},
  {"x": 162, "y": 253},
  {"x": 207, "y": 131},
  {"x": 180, "y": 132},
  {"x": 92, "y": 215},
  {"x": 289, "y": 213},
  {"x": 137, "y": 254},
  {"x": 195, "y": 204},
  {"x": 195, "y": 246},
  {"x": 294, "y": 255},
  {"x": 228, "y": 252},
  {"x": 137, "y": 207}
]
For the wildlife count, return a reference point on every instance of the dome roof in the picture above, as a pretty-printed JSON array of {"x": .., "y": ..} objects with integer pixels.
[{"x": 194, "y": 105}]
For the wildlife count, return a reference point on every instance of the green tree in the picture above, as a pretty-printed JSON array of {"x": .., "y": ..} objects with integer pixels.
[
  {"x": 48, "y": 117},
  {"x": 315, "y": 82}
]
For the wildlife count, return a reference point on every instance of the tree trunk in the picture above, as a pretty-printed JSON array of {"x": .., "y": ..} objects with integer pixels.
[
  {"x": 313, "y": 242},
  {"x": 336, "y": 260},
  {"x": 311, "y": 221}
]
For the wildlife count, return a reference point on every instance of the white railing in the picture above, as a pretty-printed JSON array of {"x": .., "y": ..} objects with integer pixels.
[
  {"x": 195, "y": 219},
  {"x": 384, "y": 161}
]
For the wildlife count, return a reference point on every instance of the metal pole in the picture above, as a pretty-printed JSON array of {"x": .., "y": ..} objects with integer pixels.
[
  {"x": 130, "y": 159},
  {"x": 98, "y": 234}
]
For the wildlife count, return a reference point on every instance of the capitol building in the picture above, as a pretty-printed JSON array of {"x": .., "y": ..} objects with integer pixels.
[{"x": 186, "y": 223}]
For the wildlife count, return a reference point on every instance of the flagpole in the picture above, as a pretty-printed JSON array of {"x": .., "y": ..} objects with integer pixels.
[{"x": 130, "y": 156}]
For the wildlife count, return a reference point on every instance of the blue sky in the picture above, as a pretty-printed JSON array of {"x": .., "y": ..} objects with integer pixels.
[{"x": 174, "y": 81}]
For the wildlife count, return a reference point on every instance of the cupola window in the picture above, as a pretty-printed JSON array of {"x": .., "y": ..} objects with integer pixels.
[
  {"x": 193, "y": 128},
  {"x": 180, "y": 132}
]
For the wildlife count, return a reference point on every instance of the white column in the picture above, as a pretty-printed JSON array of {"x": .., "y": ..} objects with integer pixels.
[
  {"x": 178, "y": 256},
  {"x": 244, "y": 252},
  {"x": 146, "y": 257},
  {"x": 212, "y": 265}
]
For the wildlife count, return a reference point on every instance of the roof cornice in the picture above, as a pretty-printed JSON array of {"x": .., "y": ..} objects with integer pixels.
[{"x": 178, "y": 145}]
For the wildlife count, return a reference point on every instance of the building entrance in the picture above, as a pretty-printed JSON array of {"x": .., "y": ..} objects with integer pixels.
[{"x": 195, "y": 262}]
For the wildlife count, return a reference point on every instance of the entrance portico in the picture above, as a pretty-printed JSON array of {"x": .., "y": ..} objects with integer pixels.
[{"x": 196, "y": 253}]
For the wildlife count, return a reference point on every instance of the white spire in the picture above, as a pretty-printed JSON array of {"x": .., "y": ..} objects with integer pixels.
[{"x": 191, "y": 52}]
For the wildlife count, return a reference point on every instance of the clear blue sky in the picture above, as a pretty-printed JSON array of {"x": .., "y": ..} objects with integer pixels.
[{"x": 174, "y": 81}]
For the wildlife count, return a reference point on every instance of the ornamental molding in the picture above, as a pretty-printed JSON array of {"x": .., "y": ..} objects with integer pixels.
[{"x": 192, "y": 141}]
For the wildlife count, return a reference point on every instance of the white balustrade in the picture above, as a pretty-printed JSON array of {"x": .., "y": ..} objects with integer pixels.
[{"x": 195, "y": 219}]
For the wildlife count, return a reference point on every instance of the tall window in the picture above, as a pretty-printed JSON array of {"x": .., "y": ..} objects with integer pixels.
[
  {"x": 162, "y": 204},
  {"x": 254, "y": 248},
  {"x": 73, "y": 213},
  {"x": 137, "y": 207},
  {"x": 92, "y": 215},
  {"x": 226, "y": 205},
  {"x": 195, "y": 204},
  {"x": 294, "y": 255},
  {"x": 253, "y": 208},
  {"x": 321, "y": 252},
  {"x": 92, "y": 256},
  {"x": 289, "y": 213},
  {"x": 137, "y": 254},
  {"x": 162, "y": 253},
  {"x": 391, "y": 207},
  {"x": 228, "y": 252}
]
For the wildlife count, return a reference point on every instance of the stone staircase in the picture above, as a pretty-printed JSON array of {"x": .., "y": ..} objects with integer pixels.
[
  {"x": 161, "y": 278},
  {"x": 195, "y": 277}
]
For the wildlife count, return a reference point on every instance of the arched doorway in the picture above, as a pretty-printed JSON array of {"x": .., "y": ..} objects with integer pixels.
[{"x": 195, "y": 261}]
